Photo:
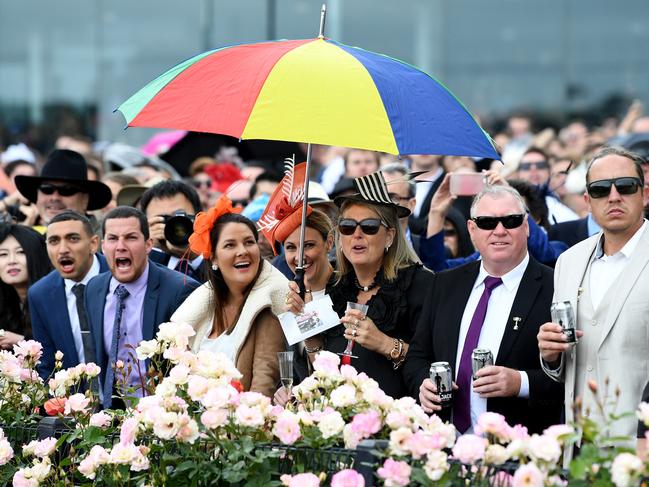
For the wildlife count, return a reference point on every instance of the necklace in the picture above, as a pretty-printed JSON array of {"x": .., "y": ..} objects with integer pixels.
[{"x": 372, "y": 285}]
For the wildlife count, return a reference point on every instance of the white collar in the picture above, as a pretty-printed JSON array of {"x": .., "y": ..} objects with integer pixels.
[
  {"x": 511, "y": 279},
  {"x": 628, "y": 248},
  {"x": 94, "y": 270}
]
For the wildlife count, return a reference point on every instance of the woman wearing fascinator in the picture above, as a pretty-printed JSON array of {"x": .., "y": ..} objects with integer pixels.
[
  {"x": 235, "y": 312},
  {"x": 375, "y": 266},
  {"x": 280, "y": 224}
]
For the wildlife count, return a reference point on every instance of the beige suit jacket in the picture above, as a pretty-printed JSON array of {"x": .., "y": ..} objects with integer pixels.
[{"x": 623, "y": 348}]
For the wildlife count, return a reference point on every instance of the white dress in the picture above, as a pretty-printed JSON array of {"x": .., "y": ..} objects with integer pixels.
[{"x": 224, "y": 343}]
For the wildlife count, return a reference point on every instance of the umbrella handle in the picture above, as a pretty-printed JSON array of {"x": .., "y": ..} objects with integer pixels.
[{"x": 299, "y": 279}]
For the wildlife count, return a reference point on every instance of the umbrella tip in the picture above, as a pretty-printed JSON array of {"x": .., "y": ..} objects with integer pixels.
[{"x": 323, "y": 15}]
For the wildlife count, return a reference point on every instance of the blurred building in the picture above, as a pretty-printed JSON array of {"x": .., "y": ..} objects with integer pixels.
[{"x": 86, "y": 57}]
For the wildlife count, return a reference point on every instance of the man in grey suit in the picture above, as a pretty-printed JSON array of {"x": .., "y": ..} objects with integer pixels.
[{"x": 606, "y": 279}]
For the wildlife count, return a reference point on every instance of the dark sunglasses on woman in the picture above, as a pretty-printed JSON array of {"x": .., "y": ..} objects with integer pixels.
[
  {"x": 63, "y": 190},
  {"x": 491, "y": 222},
  {"x": 602, "y": 188},
  {"x": 369, "y": 226}
]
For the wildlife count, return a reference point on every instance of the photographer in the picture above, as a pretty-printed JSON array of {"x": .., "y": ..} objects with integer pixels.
[{"x": 170, "y": 208}]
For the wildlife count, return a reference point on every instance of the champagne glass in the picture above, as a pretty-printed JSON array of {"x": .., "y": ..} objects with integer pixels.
[
  {"x": 347, "y": 353},
  {"x": 286, "y": 369}
]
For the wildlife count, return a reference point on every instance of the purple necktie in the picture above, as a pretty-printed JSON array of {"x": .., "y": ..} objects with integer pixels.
[{"x": 462, "y": 403}]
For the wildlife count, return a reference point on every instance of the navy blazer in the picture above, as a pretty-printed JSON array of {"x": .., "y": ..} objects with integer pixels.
[
  {"x": 48, "y": 308},
  {"x": 166, "y": 289}
]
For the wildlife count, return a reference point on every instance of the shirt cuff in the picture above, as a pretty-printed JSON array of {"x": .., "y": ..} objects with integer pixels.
[{"x": 524, "y": 391}]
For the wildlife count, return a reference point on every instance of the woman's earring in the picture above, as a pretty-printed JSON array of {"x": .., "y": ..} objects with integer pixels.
[
  {"x": 387, "y": 247},
  {"x": 215, "y": 267}
]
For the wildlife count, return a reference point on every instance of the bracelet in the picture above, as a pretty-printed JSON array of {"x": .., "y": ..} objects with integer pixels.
[
  {"x": 313, "y": 350},
  {"x": 396, "y": 355}
]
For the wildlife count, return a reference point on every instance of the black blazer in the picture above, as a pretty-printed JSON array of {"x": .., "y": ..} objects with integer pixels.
[
  {"x": 437, "y": 335},
  {"x": 642, "y": 428},
  {"x": 570, "y": 232},
  {"x": 200, "y": 275}
]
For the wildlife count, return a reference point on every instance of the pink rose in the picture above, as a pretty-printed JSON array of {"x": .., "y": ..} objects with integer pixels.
[
  {"x": 528, "y": 475},
  {"x": 366, "y": 424},
  {"x": 518, "y": 432},
  {"x": 492, "y": 424},
  {"x": 92, "y": 369},
  {"x": 327, "y": 363},
  {"x": 469, "y": 448},
  {"x": 347, "y": 478},
  {"x": 394, "y": 473},
  {"x": 300, "y": 480},
  {"x": 28, "y": 349},
  {"x": 213, "y": 418},
  {"x": 559, "y": 432},
  {"x": 77, "y": 403},
  {"x": 128, "y": 432},
  {"x": 421, "y": 443},
  {"x": 100, "y": 419},
  {"x": 287, "y": 428}
]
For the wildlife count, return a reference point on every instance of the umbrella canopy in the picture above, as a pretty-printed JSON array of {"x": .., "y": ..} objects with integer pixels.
[{"x": 314, "y": 91}]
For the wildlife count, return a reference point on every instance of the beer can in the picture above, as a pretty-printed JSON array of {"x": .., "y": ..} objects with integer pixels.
[
  {"x": 442, "y": 376},
  {"x": 563, "y": 314},
  {"x": 480, "y": 357}
]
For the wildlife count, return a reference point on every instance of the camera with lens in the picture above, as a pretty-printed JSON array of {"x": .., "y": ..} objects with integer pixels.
[{"x": 178, "y": 228}]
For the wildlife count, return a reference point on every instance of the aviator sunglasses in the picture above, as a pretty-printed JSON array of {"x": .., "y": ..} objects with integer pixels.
[
  {"x": 602, "y": 188},
  {"x": 369, "y": 226},
  {"x": 64, "y": 190},
  {"x": 491, "y": 222}
]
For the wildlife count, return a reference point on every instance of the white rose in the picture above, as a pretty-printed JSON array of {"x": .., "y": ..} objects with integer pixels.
[
  {"x": 496, "y": 455},
  {"x": 343, "y": 396},
  {"x": 331, "y": 424},
  {"x": 147, "y": 349}
]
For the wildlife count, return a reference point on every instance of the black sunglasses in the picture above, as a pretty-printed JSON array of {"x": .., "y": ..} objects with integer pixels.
[
  {"x": 526, "y": 166},
  {"x": 602, "y": 188},
  {"x": 491, "y": 222},
  {"x": 64, "y": 190},
  {"x": 369, "y": 226}
]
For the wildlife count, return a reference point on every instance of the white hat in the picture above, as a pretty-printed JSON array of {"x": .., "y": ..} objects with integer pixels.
[{"x": 17, "y": 152}]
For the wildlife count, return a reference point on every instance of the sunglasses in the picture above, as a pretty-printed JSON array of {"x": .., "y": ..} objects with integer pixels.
[
  {"x": 602, "y": 188},
  {"x": 199, "y": 183},
  {"x": 64, "y": 190},
  {"x": 527, "y": 166},
  {"x": 398, "y": 199},
  {"x": 369, "y": 226},
  {"x": 491, "y": 222}
]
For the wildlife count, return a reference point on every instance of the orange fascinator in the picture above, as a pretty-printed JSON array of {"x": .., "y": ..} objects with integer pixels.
[
  {"x": 199, "y": 241},
  {"x": 283, "y": 213}
]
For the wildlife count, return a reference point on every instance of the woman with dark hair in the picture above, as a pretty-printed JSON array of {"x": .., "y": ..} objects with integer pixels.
[
  {"x": 375, "y": 266},
  {"x": 456, "y": 235},
  {"x": 23, "y": 261},
  {"x": 234, "y": 313}
]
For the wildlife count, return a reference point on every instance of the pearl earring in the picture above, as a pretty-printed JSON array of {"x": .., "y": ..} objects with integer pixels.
[{"x": 215, "y": 267}]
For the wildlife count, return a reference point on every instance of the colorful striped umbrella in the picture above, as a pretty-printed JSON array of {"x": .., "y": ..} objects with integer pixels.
[{"x": 313, "y": 91}]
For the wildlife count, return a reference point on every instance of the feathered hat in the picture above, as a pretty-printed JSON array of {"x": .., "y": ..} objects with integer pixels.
[{"x": 283, "y": 213}]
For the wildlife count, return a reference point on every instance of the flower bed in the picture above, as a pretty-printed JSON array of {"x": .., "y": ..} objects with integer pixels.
[{"x": 196, "y": 427}]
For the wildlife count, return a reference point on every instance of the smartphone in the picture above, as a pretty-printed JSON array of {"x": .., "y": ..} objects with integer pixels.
[{"x": 467, "y": 183}]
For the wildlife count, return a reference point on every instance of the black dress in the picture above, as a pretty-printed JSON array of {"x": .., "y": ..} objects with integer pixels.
[{"x": 394, "y": 309}]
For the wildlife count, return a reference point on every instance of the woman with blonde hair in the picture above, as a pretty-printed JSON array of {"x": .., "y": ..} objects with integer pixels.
[
  {"x": 375, "y": 266},
  {"x": 235, "y": 312}
]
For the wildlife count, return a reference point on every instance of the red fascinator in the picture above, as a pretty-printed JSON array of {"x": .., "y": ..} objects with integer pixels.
[
  {"x": 283, "y": 213},
  {"x": 199, "y": 241}
]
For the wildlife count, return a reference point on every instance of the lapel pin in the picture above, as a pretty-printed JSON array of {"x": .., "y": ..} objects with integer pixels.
[{"x": 517, "y": 320}]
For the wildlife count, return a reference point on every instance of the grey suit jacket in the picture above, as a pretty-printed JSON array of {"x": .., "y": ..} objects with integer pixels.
[{"x": 623, "y": 349}]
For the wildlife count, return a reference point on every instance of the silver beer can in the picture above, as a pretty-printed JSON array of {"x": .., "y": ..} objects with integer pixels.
[
  {"x": 480, "y": 357},
  {"x": 442, "y": 376},
  {"x": 563, "y": 314}
]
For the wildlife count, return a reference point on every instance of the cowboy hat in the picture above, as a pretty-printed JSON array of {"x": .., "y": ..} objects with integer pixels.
[{"x": 66, "y": 166}]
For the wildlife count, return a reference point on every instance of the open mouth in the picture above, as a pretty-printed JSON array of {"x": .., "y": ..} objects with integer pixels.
[
  {"x": 123, "y": 263},
  {"x": 67, "y": 264},
  {"x": 242, "y": 266},
  {"x": 499, "y": 244},
  {"x": 13, "y": 272},
  {"x": 358, "y": 248}
]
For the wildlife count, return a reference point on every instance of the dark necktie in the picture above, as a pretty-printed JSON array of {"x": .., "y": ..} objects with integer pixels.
[
  {"x": 79, "y": 291},
  {"x": 462, "y": 402},
  {"x": 121, "y": 293}
]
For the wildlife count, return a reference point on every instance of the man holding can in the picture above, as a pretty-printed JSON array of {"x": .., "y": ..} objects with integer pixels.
[
  {"x": 605, "y": 278},
  {"x": 495, "y": 304}
]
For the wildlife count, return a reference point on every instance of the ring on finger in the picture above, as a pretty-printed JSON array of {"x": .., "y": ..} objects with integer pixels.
[
  {"x": 356, "y": 322},
  {"x": 354, "y": 332}
]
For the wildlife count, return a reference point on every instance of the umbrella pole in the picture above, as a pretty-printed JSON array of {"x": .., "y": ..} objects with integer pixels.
[{"x": 299, "y": 270}]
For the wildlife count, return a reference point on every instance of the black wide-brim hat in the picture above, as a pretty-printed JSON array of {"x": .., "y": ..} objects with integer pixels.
[
  {"x": 372, "y": 189},
  {"x": 66, "y": 166}
]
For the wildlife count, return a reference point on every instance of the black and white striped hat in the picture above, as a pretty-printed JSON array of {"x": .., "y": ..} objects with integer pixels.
[{"x": 372, "y": 189}]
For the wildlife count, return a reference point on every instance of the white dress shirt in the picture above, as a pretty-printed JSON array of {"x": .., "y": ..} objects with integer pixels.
[
  {"x": 195, "y": 263},
  {"x": 493, "y": 329},
  {"x": 605, "y": 269},
  {"x": 72, "y": 307}
]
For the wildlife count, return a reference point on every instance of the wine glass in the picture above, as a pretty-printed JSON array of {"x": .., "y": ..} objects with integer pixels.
[
  {"x": 286, "y": 369},
  {"x": 347, "y": 353}
]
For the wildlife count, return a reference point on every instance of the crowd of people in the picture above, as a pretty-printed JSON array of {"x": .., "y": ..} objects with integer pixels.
[{"x": 101, "y": 245}]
